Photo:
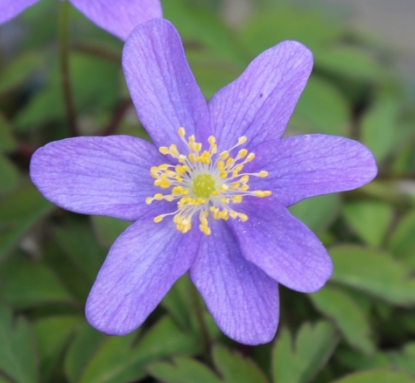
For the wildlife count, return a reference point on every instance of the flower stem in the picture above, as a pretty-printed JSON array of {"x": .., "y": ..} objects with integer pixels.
[
  {"x": 202, "y": 323},
  {"x": 64, "y": 66}
]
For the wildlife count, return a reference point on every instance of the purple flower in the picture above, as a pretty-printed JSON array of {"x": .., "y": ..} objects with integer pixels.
[
  {"x": 213, "y": 199},
  {"x": 118, "y": 17}
]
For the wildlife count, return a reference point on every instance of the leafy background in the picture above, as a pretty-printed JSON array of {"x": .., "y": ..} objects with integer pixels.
[{"x": 359, "y": 329}]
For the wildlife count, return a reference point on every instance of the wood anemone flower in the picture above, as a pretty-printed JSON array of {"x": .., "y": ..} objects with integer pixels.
[{"x": 211, "y": 197}]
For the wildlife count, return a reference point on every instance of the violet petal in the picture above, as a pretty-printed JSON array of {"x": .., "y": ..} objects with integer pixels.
[
  {"x": 282, "y": 246},
  {"x": 139, "y": 270},
  {"x": 98, "y": 175},
  {"x": 310, "y": 165},
  {"x": 119, "y": 17},
  {"x": 11, "y": 8},
  {"x": 260, "y": 102},
  {"x": 242, "y": 299},
  {"x": 162, "y": 86}
]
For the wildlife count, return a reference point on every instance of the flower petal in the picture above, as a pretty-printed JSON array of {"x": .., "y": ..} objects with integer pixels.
[
  {"x": 282, "y": 246},
  {"x": 162, "y": 85},
  {"x": 97, "y": 175},
  {"x": 306, "y": 166},
  {"x": 11, "y": 8},
  {"x": 139, "y": 270},
  {"x": 260, "y": 102},
  {"x": 119, "y": 17},
  {"x": 242, "y": 299}
]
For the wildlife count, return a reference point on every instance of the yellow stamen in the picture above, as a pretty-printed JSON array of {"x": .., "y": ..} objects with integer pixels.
[{"x": 204, "y": 182}]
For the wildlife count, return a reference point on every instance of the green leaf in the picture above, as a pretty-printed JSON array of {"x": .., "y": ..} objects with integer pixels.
[
  {"x": 7, "y": 141},
  {"x": 19, "y": 69},
  {"x": 351, "y": 62},
  {"x": 369, "y": 219},
  {"x": 107, "y": 229},
  {"x": 373, "y": 272},
  {"x": 203, "y": 29},
  {"x": 317, "y": 212},
  {"x": 182, "y": 370},
  {"x": 349, "y": 318},
  {"x": 9, "y": 176},
  {"x": 76, "y": 240},
  {"x": 19, "y": 211},
  {"x": 165, "y": 338},
  {"x": 27, "y": 283},
  {"x": 268, "y": 28},
  {"x": 380, "y": 125},
  {"x": 377, "y": 376},
  {"x": 96, "y": 358},
  {"x": 234, "y": 368},
  {"x": 404, "y": 360},
  {"x": 18, "y": 358},
  {"x": 212, "y": 71},
  {"x": 355, "y": 360},
  {"x": 300, "y": 362},
  {"x": 53, "y": 334},
  {"x": 178, "y": 302},
  {"x": 402, "y": 241},
  {"x": 321, "y": 109},
  {"x": 231, "y": 366},
  {"x": 94, "y": 82}
]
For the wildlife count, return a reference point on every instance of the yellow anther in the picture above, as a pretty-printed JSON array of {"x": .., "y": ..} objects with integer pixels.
[
  {"x": 182, "y": 158},
  {"x": 234, "y": 185},
  {"x": 182, "y": 132},
  {"x": 170, "y": 173},
  {"x": 229, "y": 162},
  {"x": 242, "y": 140},
  {"x": 250, "y": 157},
  {"x": 164, "y": 167},
  {"x": 205, "y": 229},
  {"x": 173, "y": 150},
  {"x": 224, "y": 155},
  {"x": 224, "y": 215},
  {"x": 158, "y": 197},
  {"x": 244, "y": 179},
  {"x": 223, "y": 188},
  {"x": 237, "y": 198},
  {"x": 164, "y": 185},
  {"x": 192, "y": 157},
  {"x": 262, "y": 174},
  {"x": 149, "y": 200},
  {"x": 158, "y": 219},
  {"x": 243, "y": 217},
  {"x": 163, "y": 150},
  {"x": 261, "y": 193},
  {"x": 233, "y": 214},
  {"x": 224, "y": 200},
  {"x": 244, "y": 187},
  {"x": 242, "y": 153}
]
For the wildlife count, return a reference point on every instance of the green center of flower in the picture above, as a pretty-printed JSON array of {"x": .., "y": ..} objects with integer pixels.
[
  {"x": 203, "y": 186},
  {"x": 204, "y": 183}
]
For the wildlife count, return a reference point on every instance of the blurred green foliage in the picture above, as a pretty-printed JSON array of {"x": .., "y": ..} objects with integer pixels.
[{"x": 359, "y": 329}]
